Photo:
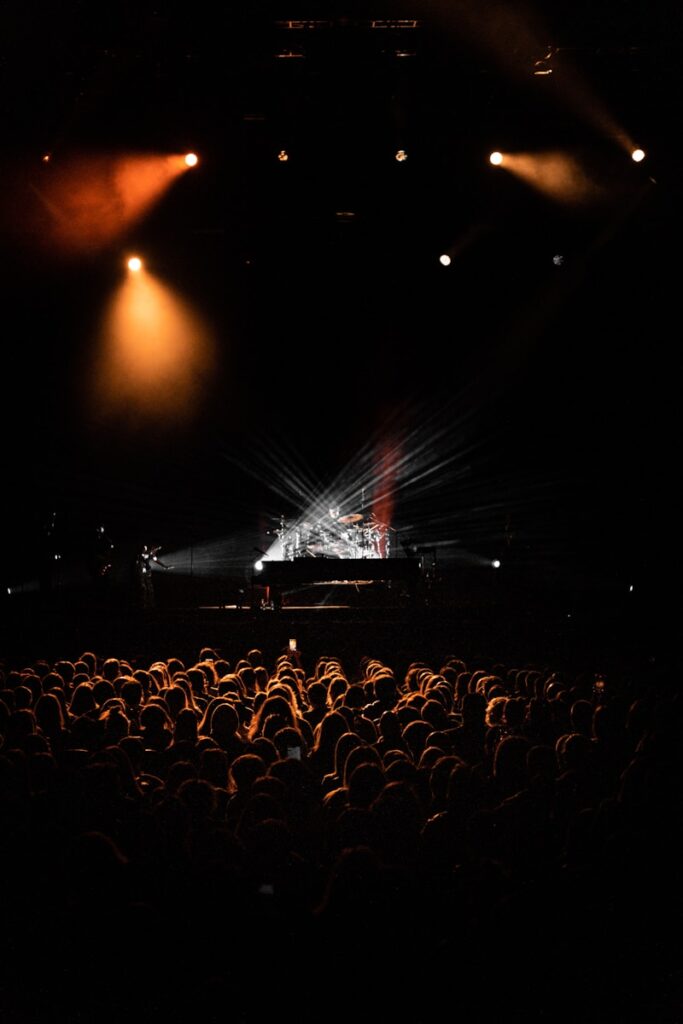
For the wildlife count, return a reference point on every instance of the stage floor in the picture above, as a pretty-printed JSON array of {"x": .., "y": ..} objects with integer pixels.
[{"x": 516, "y": 632}]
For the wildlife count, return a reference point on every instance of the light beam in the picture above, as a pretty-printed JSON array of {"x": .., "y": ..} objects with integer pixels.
[{"x": 154, "y": 355}]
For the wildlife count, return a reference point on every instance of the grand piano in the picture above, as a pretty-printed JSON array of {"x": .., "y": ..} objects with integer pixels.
[{"x": 282, "y": 575}]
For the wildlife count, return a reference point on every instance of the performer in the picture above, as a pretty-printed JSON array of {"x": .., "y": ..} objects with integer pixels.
[
  {"x": 49, "y": 555},
  {"x": 101, "y": 560},
  {"x": 143, "y": 564}
]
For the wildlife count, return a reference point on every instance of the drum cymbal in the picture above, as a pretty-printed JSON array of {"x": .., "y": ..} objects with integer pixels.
[{"x": 355, "y": 518}]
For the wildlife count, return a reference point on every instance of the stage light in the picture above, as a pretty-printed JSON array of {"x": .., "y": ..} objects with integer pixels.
[
  {"x": 637, "y": 155},
  {"x": 496, "y": 563},
  {"x": 9, "y": 590},
  {"x": 154, "y": 353},
  {"x": 445, "y": 260},
  {"x": 496, "y": 158},
  {"x": 557, "y": 174},
  {"x": 542, "y": 65},
  {"x": 401, "y": 155},
  {"x": 283, "y": 156},
  {"x": 630, "y": 589},
  {"x": 191, "y": 159},
  {"x": 90, "y": 201},
  {"x": 558, "y": 260},
  {"x": 259, "y": 565}
]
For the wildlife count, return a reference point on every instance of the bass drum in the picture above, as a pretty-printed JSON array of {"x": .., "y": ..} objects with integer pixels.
[{"x": 373, "y": 543}]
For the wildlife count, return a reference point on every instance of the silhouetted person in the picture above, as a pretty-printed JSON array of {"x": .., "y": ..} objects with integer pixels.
[
  {"x": 143, "y": 569},
  {"x": 100, "y": 560},
  {"x": 49, "y": 555}
]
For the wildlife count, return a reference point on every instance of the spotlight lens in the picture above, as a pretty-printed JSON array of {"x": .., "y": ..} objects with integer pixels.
[
  {"x": 283, "y": 156},
  {"x": 135, "y": 264},
  {"x": 258, "y": 565},
  {"x": 401, "y": 155},
  {"x": 495, "y": 563},
  {"x": 445, "y": 260},
  {"x": 496, "y": 158},
  {"x": 638, "y": 155},
  {"x": 191, "y": 159}
]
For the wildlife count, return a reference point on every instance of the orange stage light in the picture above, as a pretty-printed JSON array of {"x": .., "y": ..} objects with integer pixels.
[
  {"x": 153, "y": 358},
  {"x": 387, "y": 461},
  {"x": 556, "y": 174},
  {"x": 90, "y": 202}
]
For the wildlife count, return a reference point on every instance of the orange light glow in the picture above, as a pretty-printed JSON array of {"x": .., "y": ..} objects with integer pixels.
[
  {"x": 496, "y": 158},
  {"x": 134, "y": 264},
  {"x": 46, "y": 158},
  {"x": 637, "y": 155},
  {"x": 191, "y": 159},
  {"x": 283, "y": 156},
  {"x": 445, "y": 260},
  {"x": 558, "y": 175},
  {"x": 154, "y": 356},
  {"x": 387, "y": 462},
  {"x": 90, "y": 202}
]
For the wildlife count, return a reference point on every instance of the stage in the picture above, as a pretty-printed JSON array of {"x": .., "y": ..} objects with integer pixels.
[
  {"x": 501, "y": 615},
  {"x": 369, "y": 580}
]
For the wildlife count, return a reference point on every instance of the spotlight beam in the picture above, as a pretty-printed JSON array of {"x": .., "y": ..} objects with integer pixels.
[
  {"x": 432, "y": 458},
  {"x": 402, "y": 470}
]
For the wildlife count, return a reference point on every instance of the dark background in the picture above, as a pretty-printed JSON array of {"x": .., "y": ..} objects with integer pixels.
[{"x": 560, "y": 382}]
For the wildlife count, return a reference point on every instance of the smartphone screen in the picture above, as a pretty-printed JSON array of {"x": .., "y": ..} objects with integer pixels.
[
  {"x": 294, "y": 752},
  {"x": 292, "y": 645}
]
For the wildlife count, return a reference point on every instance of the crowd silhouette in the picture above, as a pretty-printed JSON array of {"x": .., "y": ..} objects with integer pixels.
[{"x": 329, "y": 839}]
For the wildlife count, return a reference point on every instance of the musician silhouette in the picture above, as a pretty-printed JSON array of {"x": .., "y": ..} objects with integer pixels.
[
  {"x": 101, "y": 555},
  {"x": 49, "y": 555},
  {"x": 144, "y": 564}
]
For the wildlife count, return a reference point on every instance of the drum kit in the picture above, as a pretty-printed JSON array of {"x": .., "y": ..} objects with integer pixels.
[{"x": 335, "y": 536}]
